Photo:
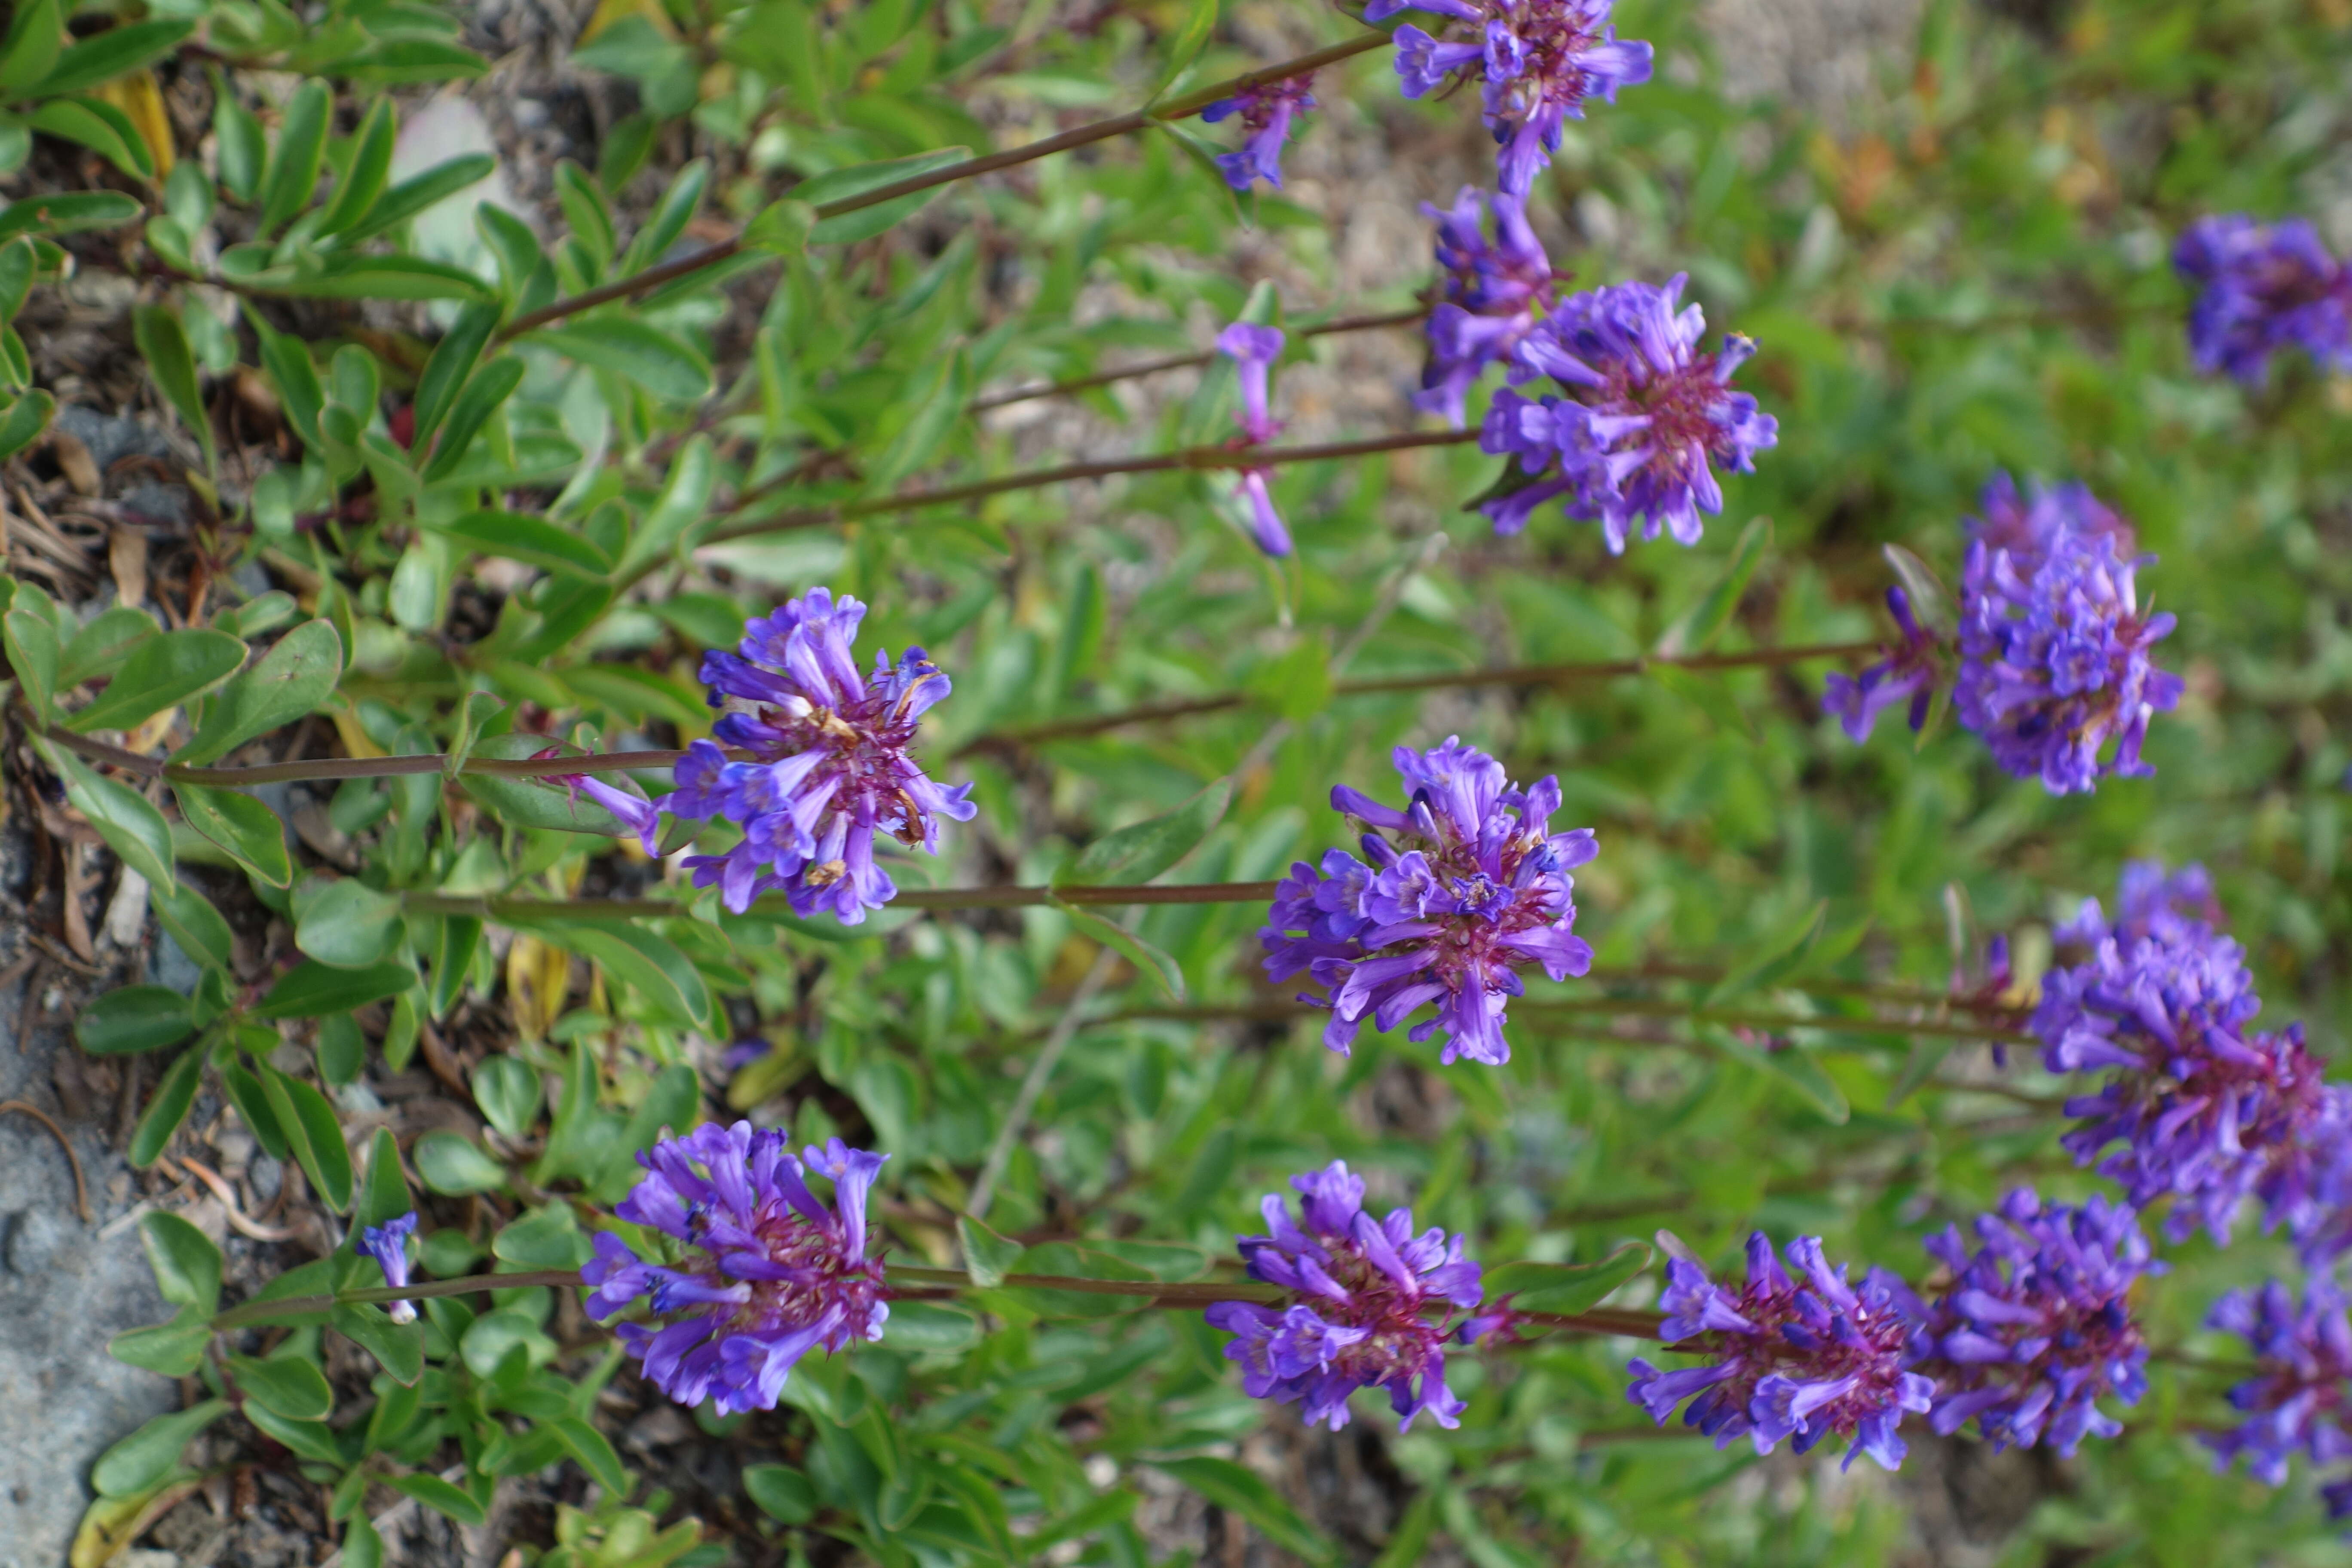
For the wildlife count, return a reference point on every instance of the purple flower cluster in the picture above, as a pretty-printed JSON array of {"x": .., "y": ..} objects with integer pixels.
[
  {"x": 1469, "y": 885},
  {"x": 2036, "y": 1325},
  {"x": 830, "y": 767},
  {"x": 388, "y": 1245},
  {"x": 2205, "y": 1109},
  {"x": 1788, "y": 1360},
  {"x": 2054, "y": 653},
  {"x": 2264, "y": 287},
  {"x": 1642, "y": 415},
  {"x": 1267, "y": 110},
  {"x": 1253, "y": 349},
  {"x": 2295, "y": 1402},
  {"x": 1493, "y": 289},
  {"x": 1908, "y": 674},
  {"x": 1536, "y": 63},
  {"x": 1360, "y": 1313},
  {"x": 764, "y": 1271}
]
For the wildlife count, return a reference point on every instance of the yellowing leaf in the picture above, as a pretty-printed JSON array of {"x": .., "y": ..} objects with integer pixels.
[
  {"x": 539, "y": 979},
  {"x": 610, "y": 11},
  {"x": 143, "y": 101}
]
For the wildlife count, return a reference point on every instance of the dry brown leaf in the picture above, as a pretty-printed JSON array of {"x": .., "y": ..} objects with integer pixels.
[{"x": 126, "y": 558}]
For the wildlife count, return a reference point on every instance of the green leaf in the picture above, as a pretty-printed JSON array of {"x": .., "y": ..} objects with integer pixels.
[
  {"x": 252, "y": 834},
  {"x": 534, "y": 541},
  {"x": 1140, "y": 851},
  {"x": 309, "y": 1120},
  {"x": 1783, "y": 955},
  {"x": 1141, "y": 953},
  {"x": 384, "y": 1196},
  {"x": 544, "y": 1238},
  {"x": 782, "y": 229},
  {"x": 24, "y": 423},
  {"x": 173, "y": 1350},
  {"x": 649, "y": 964},
  {"x": 636, "y": 351},
  {"x": 1926, "y": 1054},
  {"x": 98, "y": 126},
  {"x": 347, "y": 276},
  {"x": 453, "y": 359},
  {"x": 187, "y": 1265},
  {"x": 1244, "y": 1492},
  {"x": 484, "y": 391},
  {"x": 288, "y": 683},
  {"x": 169, "y": 1108},
  {"x": 99, "y": 648},
  {"x": 987, "y": 1256},
  {"x": 783, "y": 1493},
  {"x": 37, "y": 36},
  {"x": 439, "y": 1496},
  {"x": 508, "y": 1090},
  {"x": 1696, "y": 629},
  {"x": 1185, "y": 47},
  {"x": 237, "y": 132},
  {"x": 294, "y": 161},
  {"x": 670, "y": 217},
  {"x": 1566, "y": 1286},
  {"x": 846, "y": 228},
  {"x": 126, "y": 819},
  {"x": 142, "y": 1460},
  {"x": 286, "y": 358},
  {"x": 939, "y": 401},
  {"x": 287, "y": 1386},
  {"x": 1793, "y": 1065},
  {"x": 313, "y": 990},
  {"x": 133, "y": 1019},
  {"x": 418, "y": 192},
  {"x": 685, "y": 497},
  {"x": 347, "y": 924},
  {"x": 116, "y": 52},
  {"x": 195, "y": 922},
  {"x": 595, "y": 1452},
  {"x": 311, "y": 1440},
  {"x": 30, "y": 635},
  {"x": 162, "y": 672},
  {"x": 1931, "y": 605},
  {"x": 930, "y": 1326},
  {"x": 163, "y": 343},
  {"x": 245, "y": 1092},
  {"x": 362, "y": 183},
  {"x": 450, "y": 1164},
  {"x": 398, "y": 1348}
]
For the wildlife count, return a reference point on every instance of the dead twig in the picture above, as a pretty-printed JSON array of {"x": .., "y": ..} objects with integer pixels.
[
  {"x": 227, "y": 1195},
  {"x": 81, "y": 1187}
]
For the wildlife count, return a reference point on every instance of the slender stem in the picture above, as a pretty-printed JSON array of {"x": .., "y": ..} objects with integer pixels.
[
  {"x": 1010, "y": 896},
  {"x": 1033, "y": 1084},
  {"x": 1180, "y": 361},
  {"x": 359, "y": 767},
  {"x": 1272, "y": 1010},
  {"x": 293, "y": 1306},
  {"x": 1507, "y": 675},
  {"x": 988, "y": 163}
]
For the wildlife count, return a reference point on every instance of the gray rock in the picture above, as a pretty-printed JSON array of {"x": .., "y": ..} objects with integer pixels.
[{"x": 110, "y": 439}]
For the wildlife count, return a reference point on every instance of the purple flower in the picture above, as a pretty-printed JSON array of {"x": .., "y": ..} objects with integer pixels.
[
  {"x": 1493, "y": 289},
  {"x": 746, "y": 1051},
  {"x": 1468, "y": 886},
  {"x": 762, "y": 1272},
  {"x": 1360, "y": 1313},
  {"x": 2265, "y": 286},
  {"x": 636, "y": 814},
  {"x": 2036, "y": 1325},
  {"x": 1536, "y": 62},
  {"x": 2296, "y": 1401},
  {"x": 1788, "y": 1360},
  {"x": 2205, "y": 1109},
  {"x": 831, "y": 766},
  {"x": 388, "y": 1245},
  {"x": 1265, "y": 110},
  {"x": 1907, "y": 674},
  {"x": 1253, "y": 349},
  {"x": 1645, "y": 415},
  {"x": 2054, "y": 653}
]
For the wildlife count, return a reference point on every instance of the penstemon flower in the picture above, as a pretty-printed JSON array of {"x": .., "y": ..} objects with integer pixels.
[
  {"x": 1536, "y": 62},
  {"x": 636, "y": 814},
  {"x": 1468, "y": 886},
  {"x": 2264, "y": 288},
  {"x": 2207, "y": 1111},
  {"x": 1360, "y": 1314},
  {"x": 2296, "y": 1400},
  {"x": 1907, "y": 674},
  {"x": 1494, "y": 290},
  {"x": 2054, "y": 652},
  {"x": 1253, "y": 349},
  {"x": 1642, "y": 414},
  {"x": 764, "y": 1272},
  {"x": 388, "y": 1245},
  {"x": 831, "y": 764},
  {"x": 1789, "y": 1358},
  {"x": 1266, "y": 111},
  {"x": 2036, "y": 1325}
]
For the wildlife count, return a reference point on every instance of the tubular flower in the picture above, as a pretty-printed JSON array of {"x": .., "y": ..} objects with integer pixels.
[
  {"x": 1362, "y": 1292},
  {"x": 1907, "y": 674},
  {"x": 1493, "y": 289},
  {"x": 1253, "y": 349},
  {"x": 2205, "y": 1109},
  {"x": 1455, "y": 893},
  {"x": 388, "y": 1245},
  {"x": 1645, "y": 414},
  {"x": 1267, "y": 110},
  {"x": 2037, "y": 1323},
  {"x": 831, "y": 766},
  {"x": 2264, "y": 288},
  {"x": 636, "y": 814},
  {"x": 1536, "y": 62},
  {"x": 2295, "y": 1402},
  {"x": 2031, "y": 524},
  {"x": 764, "y": 1271},
  {"x": 2054, "y": 653},
  {"x": 1791, "y": 1359}
]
